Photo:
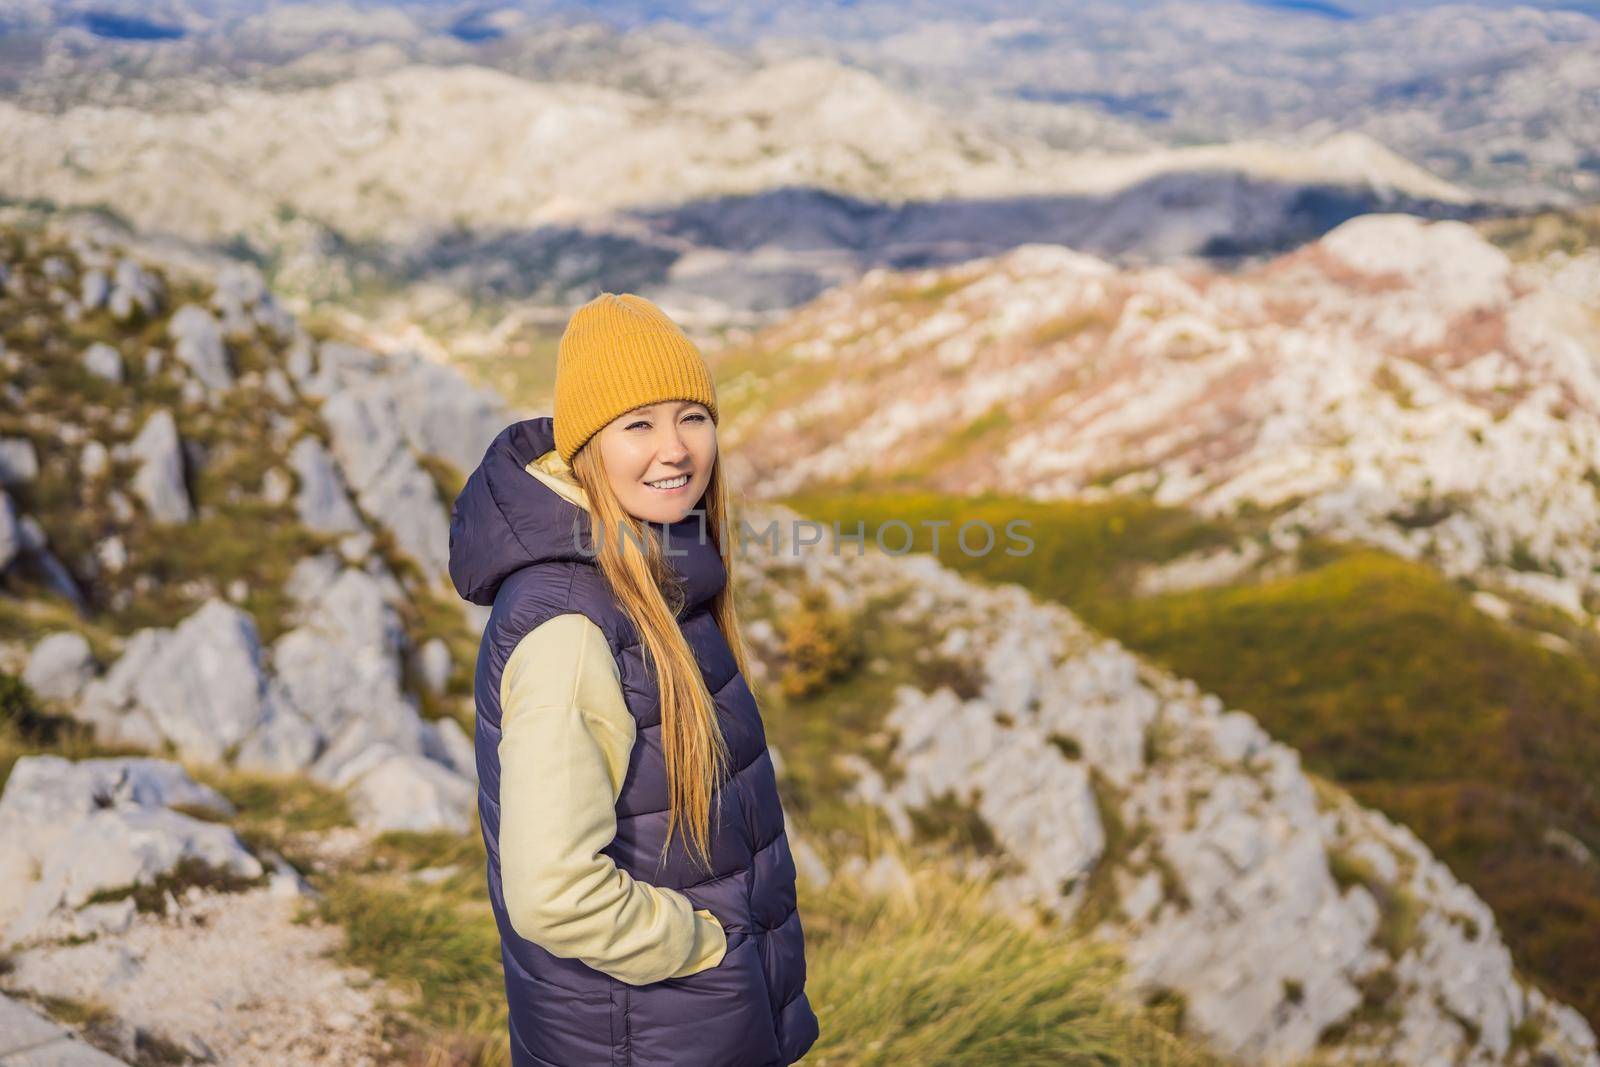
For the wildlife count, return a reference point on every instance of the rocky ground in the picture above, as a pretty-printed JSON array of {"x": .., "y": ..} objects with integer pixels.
[{"x": 1288, "y": 919}]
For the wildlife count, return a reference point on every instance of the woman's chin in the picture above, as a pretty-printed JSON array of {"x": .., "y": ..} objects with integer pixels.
[{"x": 660, "y": 511}]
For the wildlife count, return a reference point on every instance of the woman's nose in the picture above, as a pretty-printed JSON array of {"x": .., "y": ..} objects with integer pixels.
[{"x": 672, "y": 450}]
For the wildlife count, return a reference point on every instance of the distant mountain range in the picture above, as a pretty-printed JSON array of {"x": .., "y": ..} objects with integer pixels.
[
  {"x": 1496, "y": 98},
  {"x": 751, "y": 195}
]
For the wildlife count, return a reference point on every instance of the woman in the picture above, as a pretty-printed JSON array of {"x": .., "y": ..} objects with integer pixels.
[{"x": 638, "y": 868}]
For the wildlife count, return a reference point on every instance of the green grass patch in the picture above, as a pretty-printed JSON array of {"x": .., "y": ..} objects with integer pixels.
[
  {"x": 247, "y": 540},
  {"x": 1080, "y": 551}
]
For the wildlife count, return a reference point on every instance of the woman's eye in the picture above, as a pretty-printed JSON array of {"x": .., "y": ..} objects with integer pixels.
[{"x": 696, "y": 415}]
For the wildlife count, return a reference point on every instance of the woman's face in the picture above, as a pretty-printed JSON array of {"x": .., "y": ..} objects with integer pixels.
[{"x": 660, "y": 442}]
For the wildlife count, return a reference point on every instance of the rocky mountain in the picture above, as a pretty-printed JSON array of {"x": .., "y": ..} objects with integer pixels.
[
  {"x": 752, "y": 193},
  {"x": 220, "y": 562},
  {"x": 1494, "y": 97},
  {"x": 221, "y": 552},
  {"x": 1400, "y": 382},
  {"x": 189, "y": 466}
]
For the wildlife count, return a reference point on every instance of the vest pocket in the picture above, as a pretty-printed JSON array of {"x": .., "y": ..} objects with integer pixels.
[
  {"x": 718, "y": 1017},
  {"x": 621, "y": 1040}
]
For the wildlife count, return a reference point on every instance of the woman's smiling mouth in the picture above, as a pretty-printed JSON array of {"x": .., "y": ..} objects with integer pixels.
[{"x": 669, "y": 485}]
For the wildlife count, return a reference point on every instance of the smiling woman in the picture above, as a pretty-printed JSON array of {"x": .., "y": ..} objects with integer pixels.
[{"x": 639, "y": 868}]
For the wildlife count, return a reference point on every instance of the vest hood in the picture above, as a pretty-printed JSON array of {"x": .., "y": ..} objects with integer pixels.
[{"x": 522, "y": 506}]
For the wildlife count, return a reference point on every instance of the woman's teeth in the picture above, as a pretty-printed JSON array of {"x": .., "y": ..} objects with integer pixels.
[{"x": 669, "y": 483}]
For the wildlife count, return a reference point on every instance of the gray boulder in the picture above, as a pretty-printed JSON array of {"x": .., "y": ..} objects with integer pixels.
[
  {"x": 95, "y": 289},
  {"x": 19, "y": 463},
  {"x": 134, "y": 288},
  {"x": 117, "y": 848},
  {"x": 341, "y": 668},
  {"x": 394, "y": 790},
  {"x": 103, "y": 361},
  {"x": 59, "y": 666},
  {"x": 384, "y": 412},
  {"x": 322, "y": 502},
  {"x": 436, "y": 666},
  {"x": 336, "y": 367},
  {"x": 10, "y": 532},
  {"x": 94, "y": 461},
  {"x": 159, "y": 479},
  {"x": 284, "y": 743},
  {"x": 199, "y": 685},
  {"x": 46, "y": 797},
  {"x": 447, "y": 743},
  {"x": 389, "y": 482},
  {"x": 244, "y": 301},
  {"x": 199, "y": 345}
]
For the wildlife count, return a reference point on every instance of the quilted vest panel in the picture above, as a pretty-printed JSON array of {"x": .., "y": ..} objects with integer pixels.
[{"x": 513, "y": 546}]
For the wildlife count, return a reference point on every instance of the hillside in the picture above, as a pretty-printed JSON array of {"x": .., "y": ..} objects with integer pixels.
[
  {"x": 1397, "y": 382},
  {"x": 228, "y": 636},
  {"x": 1353, "y": 491}
]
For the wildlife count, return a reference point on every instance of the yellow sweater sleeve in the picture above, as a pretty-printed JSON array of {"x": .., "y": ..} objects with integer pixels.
[{"x": 566, "y": 737}]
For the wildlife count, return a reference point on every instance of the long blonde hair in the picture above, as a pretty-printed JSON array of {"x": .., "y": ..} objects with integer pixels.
[{"x": 648, "y": 590}]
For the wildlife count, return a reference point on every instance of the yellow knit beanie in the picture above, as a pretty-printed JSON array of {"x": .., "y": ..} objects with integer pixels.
[{"x": 621, "y": 351}]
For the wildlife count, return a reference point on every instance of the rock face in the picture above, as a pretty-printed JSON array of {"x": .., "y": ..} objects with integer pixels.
[
  {"x": 159, "y": 479},
  {"x": 1279, "y": 910},
  {"x": 69, "y": 830},
  {"x": 200, "y": 685},
  {"x": 328, "y": 700},
  {"x": 386, "y": 476},
  {"x": 59, "y": 666},
  {"x": 112, "y": 849},
  {"x": 383, "y": 414},
  {"x": 341, "y": 671},
  {"x": 330, "y": 697},
  {"x": 198, "y": 344},
  {"x": 135, "y": 290},
  {"x": 322, "y": 501}
]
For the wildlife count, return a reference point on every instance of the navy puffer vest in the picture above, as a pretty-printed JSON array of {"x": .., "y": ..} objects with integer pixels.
[{"x": 512, "y": 546}]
